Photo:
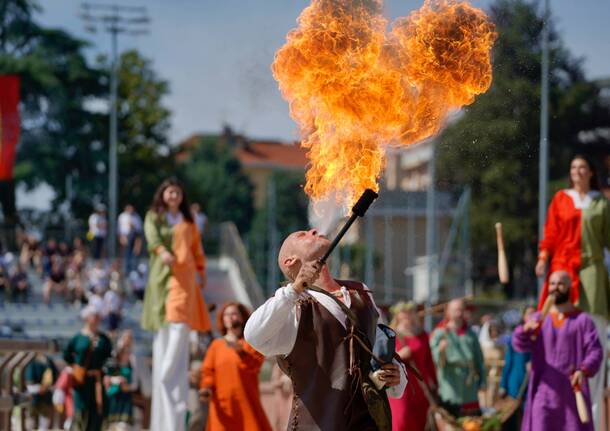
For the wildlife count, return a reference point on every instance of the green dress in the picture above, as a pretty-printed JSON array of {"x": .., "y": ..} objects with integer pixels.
[
  {"x": 120, "y": 403},
  {"x": 158, "y": 233},
  {"x": 86, "y": 415},
  {"x": 462, "y": 370}
]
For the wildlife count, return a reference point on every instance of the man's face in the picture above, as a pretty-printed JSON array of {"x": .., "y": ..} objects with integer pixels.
[
  {"x": 310, "y": 244},
  {"x": 559, "y": 285},
  {"x": 455, "y": 311},
  {"x": 302, "y": 246}
]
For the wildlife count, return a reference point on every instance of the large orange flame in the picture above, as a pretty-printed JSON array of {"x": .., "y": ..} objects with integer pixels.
[{"x": 354, "y": 87}]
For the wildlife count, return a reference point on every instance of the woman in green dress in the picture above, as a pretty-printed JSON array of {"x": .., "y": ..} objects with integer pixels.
[
  {"x": 119, "y": 386},
  {"x": 86, "y": 354}
]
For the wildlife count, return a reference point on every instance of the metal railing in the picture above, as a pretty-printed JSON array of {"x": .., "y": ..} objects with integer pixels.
[
  {"x": 232, "y": 246},
  {"x": 15, "y": 355}
]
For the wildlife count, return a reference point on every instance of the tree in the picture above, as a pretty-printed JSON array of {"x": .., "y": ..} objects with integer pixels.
[
  {"x": 60, "y": 135},
  {"x": 214, "y": 178},
  {"x": 291, "y": 206},
  {"x": 65, "y": 133},
  {"x": 494, "y": 146},
  {"x": 144, "y": 153}
]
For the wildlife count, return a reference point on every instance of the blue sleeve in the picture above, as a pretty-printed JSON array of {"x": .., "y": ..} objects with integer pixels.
[{"x": 508, "y": 364}]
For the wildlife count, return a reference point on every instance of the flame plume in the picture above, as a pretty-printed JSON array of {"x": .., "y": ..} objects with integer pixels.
[{"x": 355, "y": 87}]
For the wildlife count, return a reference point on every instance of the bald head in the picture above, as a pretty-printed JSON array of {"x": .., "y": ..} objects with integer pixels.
[
  {"x": 560, "y": 283},
  {"x": 561, "y": 276},
  {"x": 299, "y": 247}
]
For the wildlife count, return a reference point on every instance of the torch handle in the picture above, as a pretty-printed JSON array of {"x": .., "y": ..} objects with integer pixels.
[
  {"x": 502, "y": 261},
  {"x": 359, "y": 209},
  {"x": 338, "y": 238},
  {"x": 546, "y": 307},
  {"x": 581, "y": 406},
  {"x": 336, "y": 241}
]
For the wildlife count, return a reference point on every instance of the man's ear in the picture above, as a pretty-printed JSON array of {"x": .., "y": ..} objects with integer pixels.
[{"x": 291, "y": 264}]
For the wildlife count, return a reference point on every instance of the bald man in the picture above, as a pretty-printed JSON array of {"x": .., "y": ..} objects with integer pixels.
[
  {"x": 309, "y": 331},
  {"x": 565, "y": 352},
  {"x": 459, "y": 362}
]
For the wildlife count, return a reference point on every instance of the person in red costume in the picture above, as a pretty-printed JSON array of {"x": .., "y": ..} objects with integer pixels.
[
  {"x": 576, "y": 231},
  {"x": 410, "y": 412}
]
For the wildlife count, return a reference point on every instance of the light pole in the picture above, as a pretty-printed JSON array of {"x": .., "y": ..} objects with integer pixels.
[
  {"x": 431, "y": 226},
  {"x": 115, "y": 19},
  {"x": 544, "y": 129}
]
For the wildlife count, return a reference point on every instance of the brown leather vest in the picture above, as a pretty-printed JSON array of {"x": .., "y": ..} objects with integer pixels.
[{"x": 326, "y": 396}]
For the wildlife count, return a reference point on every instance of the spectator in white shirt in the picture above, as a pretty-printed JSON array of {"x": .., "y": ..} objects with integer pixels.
[
  {"x": 98, "y": 230},
  {"x": 130, "y": 237}
]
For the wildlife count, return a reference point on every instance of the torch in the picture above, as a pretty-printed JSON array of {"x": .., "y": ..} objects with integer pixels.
[
  {"x": 581, "y": 405},
  {"x": 358, "y": 210},
  {"x": 502, "y": 262},
  {"x": 546, "y": 307}
]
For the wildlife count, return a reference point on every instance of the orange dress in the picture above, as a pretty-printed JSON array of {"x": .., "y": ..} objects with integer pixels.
[
  {"x": 184, "y": 301},
  {"x": 233, "y": 378},
  {"x": 172, "y": 293}
]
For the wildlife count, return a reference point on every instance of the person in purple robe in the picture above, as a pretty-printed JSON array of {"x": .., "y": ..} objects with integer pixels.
[{"x": 565, "y": 351}]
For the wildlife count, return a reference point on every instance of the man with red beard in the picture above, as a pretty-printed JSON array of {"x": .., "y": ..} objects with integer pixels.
[{"x": 312, "y": 332}]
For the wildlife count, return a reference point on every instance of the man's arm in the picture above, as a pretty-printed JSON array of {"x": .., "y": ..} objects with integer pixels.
[
  {"x": 392, "y": 391},
  {"x": 399, "y": 389},
  {"x": 272, "y": 328}
]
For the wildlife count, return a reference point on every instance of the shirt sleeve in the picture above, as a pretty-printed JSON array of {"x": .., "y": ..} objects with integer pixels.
[
  {"x": 197, "y": 249},
  {"x": 272, "y": 329},
  {"x": 551, "y": 228},
  {"x": 399, "y": 389},
  {"x": 151, "y": 232},
  {"x": 208, "y": 376},
  {"x": 435, "y": 339},
  {"x": 592, "y": 349},
  {"x": 522, "y": 340},
  {"x": 606, "y": 225},
  {"x": 479, "y": 361}
]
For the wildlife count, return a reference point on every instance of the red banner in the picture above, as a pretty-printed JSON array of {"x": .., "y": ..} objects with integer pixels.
[{"x": 9, "y": 124}]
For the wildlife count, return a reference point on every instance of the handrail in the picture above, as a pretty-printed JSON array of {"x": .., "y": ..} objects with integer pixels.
[
  {"x": 16, "y": 355},
  {"x": 232, "y": 246},
  {"x": 11, "y": 345}
]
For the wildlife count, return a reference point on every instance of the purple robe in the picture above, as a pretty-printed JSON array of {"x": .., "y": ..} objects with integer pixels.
[{"x": 556, "y": 354}]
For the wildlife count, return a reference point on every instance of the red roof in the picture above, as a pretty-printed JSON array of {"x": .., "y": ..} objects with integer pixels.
[
  {"x": 253, "y": 154},
  {"x": 272, "y": 154}
]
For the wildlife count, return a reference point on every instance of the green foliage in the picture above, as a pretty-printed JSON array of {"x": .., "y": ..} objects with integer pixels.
[
  {"x": 64, "y": 131},
  {"x": 290, "y": 214},
  {"x": 144, "y": 153},
  {"x": 493, "y": 147},
  {"x": 213, "y": 177},
  {"x": 58, "y": 132}
]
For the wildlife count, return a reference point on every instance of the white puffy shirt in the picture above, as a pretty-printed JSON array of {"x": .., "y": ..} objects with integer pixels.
[{"x": 272, "y": 328}]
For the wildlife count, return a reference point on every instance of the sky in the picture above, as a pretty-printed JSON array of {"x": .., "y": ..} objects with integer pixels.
[{"x": 216, "y": 54}]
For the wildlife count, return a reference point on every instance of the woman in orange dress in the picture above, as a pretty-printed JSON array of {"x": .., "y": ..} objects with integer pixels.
[
  {"x": 229, "y": 376},
  {"x": 173, "y": 303}
]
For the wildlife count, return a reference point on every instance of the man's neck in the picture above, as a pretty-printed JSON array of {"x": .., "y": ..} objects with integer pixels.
[
  {"x": 326, "y": 281},
  {"x": 455, "y": 324},
  {"x": 564, "y": 308}
]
